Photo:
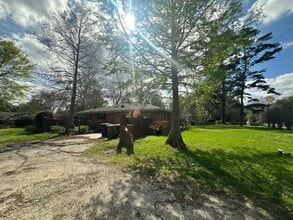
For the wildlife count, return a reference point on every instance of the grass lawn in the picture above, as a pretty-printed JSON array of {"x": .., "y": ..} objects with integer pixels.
[
  {"x": 14, "y": 135},
  {"x": 240, "y": 162}
]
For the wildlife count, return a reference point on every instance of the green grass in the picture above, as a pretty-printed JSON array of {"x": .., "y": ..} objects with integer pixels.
[
  {"x": 15, "y": 135},
  {"x": 232, "y": 160}
]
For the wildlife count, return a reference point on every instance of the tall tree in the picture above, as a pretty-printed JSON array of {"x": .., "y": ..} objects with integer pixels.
[
  {"x": 281, "y": 113},
  {"x": 218, "y": 61},
  {"x": 15, "y": 68},
  {"x": 90, "y": 94},
  {"x": 71, "y": 36},
  {"x": 255, "y": 50},
  {"x": 168, "y": 40},
  {"x": 44, "y": 100}
]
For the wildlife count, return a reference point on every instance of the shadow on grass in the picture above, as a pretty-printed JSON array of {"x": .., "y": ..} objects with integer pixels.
[{"x": 261, "y": 177}]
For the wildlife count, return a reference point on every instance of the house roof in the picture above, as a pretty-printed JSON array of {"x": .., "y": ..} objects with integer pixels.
[
  {"x": 7, "y": 115},
  {"x": 127, "y": 108}
]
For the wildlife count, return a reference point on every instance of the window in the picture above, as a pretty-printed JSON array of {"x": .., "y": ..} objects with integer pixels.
[
  {"x": 101, "y": 116},
  {"x": 166, "y": 116}
]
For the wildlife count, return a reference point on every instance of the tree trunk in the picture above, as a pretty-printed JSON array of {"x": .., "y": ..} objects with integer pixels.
[
  {"x": 268, "y": 116},
  {"x": 223, "y": 102},
  {"x": 70, "y": 123},
  {"x": 242, "y": 102},
  {"x": 174, "y": 138}
]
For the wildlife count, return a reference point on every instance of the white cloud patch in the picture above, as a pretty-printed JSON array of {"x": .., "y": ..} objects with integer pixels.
[
  {"x": 286, "y": 45},
  {"x": 35, "y": 51},
  {"x": 274, "y": 9},
  {"x": 283, "y": 85},
  {"x": 23, "y": 11}
]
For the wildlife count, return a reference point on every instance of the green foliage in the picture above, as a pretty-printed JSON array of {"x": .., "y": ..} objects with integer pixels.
[
  {"x": 5, "y": 105},
  {"x": 164, "y": 43},
  {"x": 231, "y": 60},
  {"x": 202, "y": 115},
  {"x": 281, "y": 113},
  {"x": 14, "y": 135},
  {"x": 15, "y": 67},
  {"x": 30, "y": 129},
  {"x": 24, "y": 121},
  {"x": 44, "y": 100},
  {"x": 83, "y": 129},
  {"x": 255, "y": 50},
  {"x": 57, "y": 129},
  {"x": 228, "y": 159}
]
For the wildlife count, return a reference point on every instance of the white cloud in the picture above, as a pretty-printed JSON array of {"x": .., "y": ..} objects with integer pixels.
[
  {"x": 274, "y": 9},
  {"x": 36, "y": 52},
  {"x": 286, "y": 45},
  {"x": 283, "y": 84},
  {"x": 2, "y": 11},
  {"x": 23, "y": 11}
]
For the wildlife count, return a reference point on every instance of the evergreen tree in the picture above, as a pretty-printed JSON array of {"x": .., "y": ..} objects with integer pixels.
[{"x": 255, "y": 50}]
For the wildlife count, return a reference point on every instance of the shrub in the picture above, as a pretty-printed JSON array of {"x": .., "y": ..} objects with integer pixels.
[
  {"x": 83, "y": 129},
  {"x": 158, "y": 126},
  {"x": 2, "y": 126},
  {"x": 30, "y": 129},
  {"x": 24, "y": 121},
  {"x": 57, "y": 129}
]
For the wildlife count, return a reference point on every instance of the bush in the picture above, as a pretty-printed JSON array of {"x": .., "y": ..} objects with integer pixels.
[
  {"x": 83, "y": 129},
  {"x": 57, "y": 129},
  {"x": 158, "y": 126},
  {"x": 24, "y": 121},
  {"x": 4, "y": 126},
  {"x": 30, "y": 129}
]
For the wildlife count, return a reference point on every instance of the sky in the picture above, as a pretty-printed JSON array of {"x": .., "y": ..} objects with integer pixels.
[{"x": 17, "y": 15}]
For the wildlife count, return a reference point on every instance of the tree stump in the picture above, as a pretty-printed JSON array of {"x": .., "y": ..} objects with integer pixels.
[{"x": 126, "y": 140}]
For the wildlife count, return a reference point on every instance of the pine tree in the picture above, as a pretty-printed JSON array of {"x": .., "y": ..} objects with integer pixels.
[{"x": 255, "y": 50}]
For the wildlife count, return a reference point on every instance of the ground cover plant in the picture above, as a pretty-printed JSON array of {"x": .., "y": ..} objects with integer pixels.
[
  {"x": 241, "y": 162},
  {"x": 15, "y": 135}
]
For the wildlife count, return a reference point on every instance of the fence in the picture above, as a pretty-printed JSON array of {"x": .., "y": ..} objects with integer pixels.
[{"x": 141, "y": 126}]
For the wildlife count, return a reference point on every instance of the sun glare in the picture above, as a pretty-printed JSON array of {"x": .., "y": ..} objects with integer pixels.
[{"x": 129, "y": 21}]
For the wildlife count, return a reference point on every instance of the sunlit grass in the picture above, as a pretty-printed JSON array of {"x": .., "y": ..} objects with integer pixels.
[
  {"x": 232, "y": 160},
  {"x": 15, "y": 135}
]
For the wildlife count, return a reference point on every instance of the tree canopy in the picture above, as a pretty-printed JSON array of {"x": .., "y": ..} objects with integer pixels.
[
  {"x": 71, "y": 36},
  {"x": 168, "y": 41},
  {"x": 15, "y": 68},
  {"x": 254, "y": 50}
]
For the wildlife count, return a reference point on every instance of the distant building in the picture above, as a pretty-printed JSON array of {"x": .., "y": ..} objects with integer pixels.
[
  {"x": 12, "y": 119},
  {"x": 112, "y": 114}
]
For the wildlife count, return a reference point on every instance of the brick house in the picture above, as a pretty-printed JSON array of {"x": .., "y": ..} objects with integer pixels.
[{"x": 112, "y": 114}]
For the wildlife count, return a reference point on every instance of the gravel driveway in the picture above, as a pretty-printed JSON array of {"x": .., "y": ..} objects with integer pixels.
[{"x": 53, "y": 179}]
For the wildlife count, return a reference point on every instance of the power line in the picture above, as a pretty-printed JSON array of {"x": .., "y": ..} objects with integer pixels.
[{"x": 283, "y": 34}]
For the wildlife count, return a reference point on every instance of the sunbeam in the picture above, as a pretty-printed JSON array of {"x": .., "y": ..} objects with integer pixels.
[{"x": 157, "y": 49}]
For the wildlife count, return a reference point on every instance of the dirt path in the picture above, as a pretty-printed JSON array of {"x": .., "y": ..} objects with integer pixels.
[{"x": 54, "y": 180}]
